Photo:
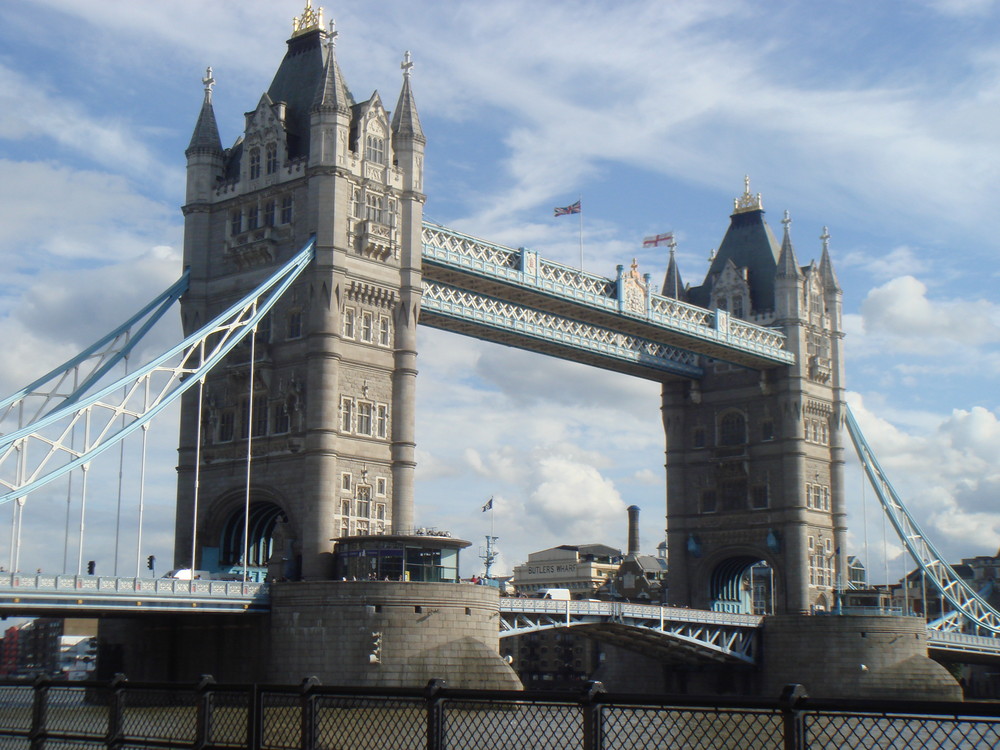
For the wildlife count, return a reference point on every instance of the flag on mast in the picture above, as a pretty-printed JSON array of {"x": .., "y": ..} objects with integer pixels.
[
  {"x": 655, "y": 240},
  {"x": 488, "y": 506},
  {"x": 572, "y": 208}
]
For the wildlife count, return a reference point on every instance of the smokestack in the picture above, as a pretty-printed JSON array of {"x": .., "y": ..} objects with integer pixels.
[{"x": 633, "y": 529}]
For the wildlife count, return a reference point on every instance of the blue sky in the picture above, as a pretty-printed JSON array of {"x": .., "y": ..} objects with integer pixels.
[{"x": 878, "y": 120}]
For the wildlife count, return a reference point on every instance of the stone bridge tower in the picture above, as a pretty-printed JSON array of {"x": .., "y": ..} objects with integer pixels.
[
  {"x": 755, "y": 460},
  {"x": 327, "y": 408}
]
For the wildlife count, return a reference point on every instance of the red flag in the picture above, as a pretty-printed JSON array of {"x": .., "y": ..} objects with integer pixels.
[{"x": 573, "y": 208}]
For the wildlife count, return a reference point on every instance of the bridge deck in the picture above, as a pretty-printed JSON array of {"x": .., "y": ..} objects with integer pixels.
[{"x": 47, "y": 595}]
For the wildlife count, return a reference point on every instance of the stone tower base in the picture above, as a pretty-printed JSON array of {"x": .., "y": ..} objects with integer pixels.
[
  {"x": 853, "y": 656},
  {"x": 376, "y": 633}
]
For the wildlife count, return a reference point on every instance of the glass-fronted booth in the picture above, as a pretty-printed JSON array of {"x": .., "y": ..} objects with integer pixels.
[{"x": 427, "y": 558}]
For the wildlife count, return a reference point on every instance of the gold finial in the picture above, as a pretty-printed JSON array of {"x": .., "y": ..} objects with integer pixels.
[
  {"x": 747, "y": 201},
  {"x": 310, "y": 20}
]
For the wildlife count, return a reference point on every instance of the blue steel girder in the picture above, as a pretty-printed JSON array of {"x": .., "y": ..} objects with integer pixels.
[
  {"x": 38, "y": 453},
  {"x": 503, "y": 322},
  {"x": 672, "y": 633},
  {"x": 626, "y": 304}
]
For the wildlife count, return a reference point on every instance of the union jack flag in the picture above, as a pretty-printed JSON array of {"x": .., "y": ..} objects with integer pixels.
[
  {"x": 572, "y": 208},
  {"x": 655, "y": 240}
]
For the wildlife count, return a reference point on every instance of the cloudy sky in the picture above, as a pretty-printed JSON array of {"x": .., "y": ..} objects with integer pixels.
[{"x": 879, "y": 120}]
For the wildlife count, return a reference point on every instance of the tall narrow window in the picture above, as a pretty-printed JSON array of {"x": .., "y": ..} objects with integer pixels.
[
  {"x": 226, "y": 424},
  {"x": 286, "y": 210},
  {"x": 346, "y": 414},
  {"x": 271, "y": 155},
  {"x": 281, "y": 420},
  {"x": 295, "y": 324},
  {"x": 375, "y": 208},
  {"x": 366, "y": 326},
  {"x": 383, "y": 331},
  {"x": 380, "y": 485},
  {"x": 269, "y": 214},
  {"x": 348, "y": 322},
  {"x": 382, "y": 421},
  {"x": 236, "y": 222},
  {"x": 365, "y": 418},
  {"x": 356, "y": 204},
  {"x": 253, "y": 217},
  {"x": 254, "y": 163},
  {"x": 260, "y": 416},
  {"x": 375, "y": 149}
]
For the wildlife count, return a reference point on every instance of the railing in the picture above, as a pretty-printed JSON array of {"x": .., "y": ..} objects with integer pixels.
[
  {"x": 169, "y": 716},
  {"x": 632, "y": 611},
  {"x": 43, "y": 593}
]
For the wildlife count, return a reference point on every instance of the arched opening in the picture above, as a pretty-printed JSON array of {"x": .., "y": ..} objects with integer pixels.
[
  {"x": 742, "y": 585},
  {"x": 264, "y": 515}
]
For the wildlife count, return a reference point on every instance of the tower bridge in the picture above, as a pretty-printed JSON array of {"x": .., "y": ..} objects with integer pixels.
[{"x": 307, "y": 267}]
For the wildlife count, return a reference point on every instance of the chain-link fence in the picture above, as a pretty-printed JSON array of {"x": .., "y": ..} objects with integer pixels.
[{"x": 47, "y": 715}]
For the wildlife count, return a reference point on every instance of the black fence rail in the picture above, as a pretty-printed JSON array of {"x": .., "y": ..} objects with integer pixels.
[{"x": 46, "y": 715}]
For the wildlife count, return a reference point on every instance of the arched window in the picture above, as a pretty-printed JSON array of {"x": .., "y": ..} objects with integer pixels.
[
  {"x": 375, "y": 149},
  {"x": 271, "y": 164},
  {"x": 733, "y": 429},
  {"x": 254, "y": 163}
]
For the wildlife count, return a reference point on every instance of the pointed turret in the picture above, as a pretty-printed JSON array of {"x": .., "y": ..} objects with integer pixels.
[
  {"x": 788, "y": 265},
  {"x": 750, "y": 244},
  {"x": 673, "y": 287},
  {"x": 332, "y": 93},
  {"x": 205, "y": 138},
  {"x": 827, "y": 275},
  {"x": 405, "y": 121}
]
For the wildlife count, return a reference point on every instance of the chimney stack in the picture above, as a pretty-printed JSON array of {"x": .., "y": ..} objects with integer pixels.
[{"x": 633, "y": 529}]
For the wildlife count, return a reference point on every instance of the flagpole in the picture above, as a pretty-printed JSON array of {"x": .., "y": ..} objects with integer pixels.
[{"x": 581, "y": 231}]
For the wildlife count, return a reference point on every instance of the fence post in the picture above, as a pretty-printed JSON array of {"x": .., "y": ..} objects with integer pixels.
[
  {"x": 791, "y": 716},
  {"x": 39, "y": 705},
  {"x": 255, "y": 712},
  {"x": 203, "y": 729},
  {"x": 435, "y": 713},
  {"x": 593, "y": 726},
  {"x": 308, "y": 704},
  {"x": 116, "y": 705}
]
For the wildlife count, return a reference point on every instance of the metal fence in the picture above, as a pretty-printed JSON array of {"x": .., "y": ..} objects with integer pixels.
[{"x": 48, "y": 715}]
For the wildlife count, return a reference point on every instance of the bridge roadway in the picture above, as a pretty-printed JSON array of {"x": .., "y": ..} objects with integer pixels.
[{"x": 669, "y": 632}]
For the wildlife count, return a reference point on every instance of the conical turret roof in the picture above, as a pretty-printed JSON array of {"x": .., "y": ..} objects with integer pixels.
[
  {"x": 405, "y": 120},
  {"x": 205, "y": 138}
]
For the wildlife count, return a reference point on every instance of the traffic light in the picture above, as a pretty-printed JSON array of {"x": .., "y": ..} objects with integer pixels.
[
  {"x": 375, "y": 653},
  {"x": 151, "y": 562},
  {"x": 90, "y": 567}
]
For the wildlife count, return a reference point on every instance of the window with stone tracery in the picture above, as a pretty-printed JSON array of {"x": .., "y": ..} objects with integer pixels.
[
  {"x": 733, "y": 429},
  {"x": 375, "y": 208},
  {"x": 271, "y": 158},
  {"x": 254, "y": 163},
  {"x": 269, "y": 214},
  {"x": 375, "y": 149}
]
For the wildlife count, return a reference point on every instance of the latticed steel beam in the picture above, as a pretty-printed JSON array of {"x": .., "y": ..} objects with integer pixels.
[
  {"x": 715, "y": 635},
  {"x": 626, "y": 303},
  {"x": 34, "y": 455},
  {"x": 944, "y": 578},
  {"x": 521, "y": 326},
  {"x": 73, "y": 378}
]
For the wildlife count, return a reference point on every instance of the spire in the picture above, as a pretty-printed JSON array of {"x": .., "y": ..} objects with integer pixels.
[
  {"x": 788, "y": 266},
  {"x": 332, "y": 93},
  {"x": 826, "y": 265},
  {"x": 405, "y": 121},
  {"x": 205, "y": 138},
  {"x": 673, "y": 287}
]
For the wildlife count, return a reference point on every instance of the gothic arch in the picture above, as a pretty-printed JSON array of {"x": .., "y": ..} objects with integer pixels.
[
  {"x": 225, "y": 526},
  {"x": 725, "y": 585}
]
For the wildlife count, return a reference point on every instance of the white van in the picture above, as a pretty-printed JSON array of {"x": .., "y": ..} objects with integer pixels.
[{"x": 561, "y": 595}]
